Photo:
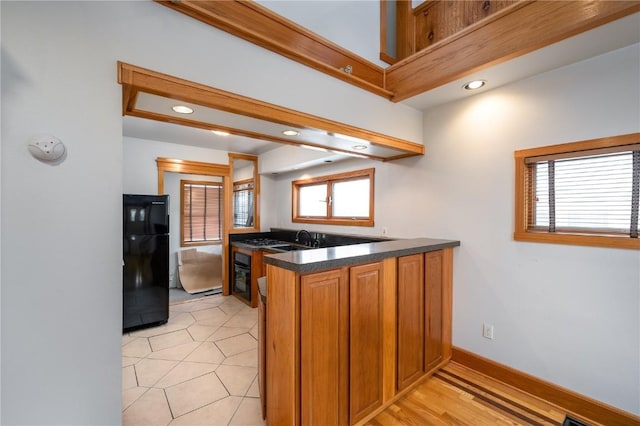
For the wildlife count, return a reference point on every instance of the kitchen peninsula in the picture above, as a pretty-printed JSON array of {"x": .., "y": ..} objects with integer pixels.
[{"x": 349, "y": 329}]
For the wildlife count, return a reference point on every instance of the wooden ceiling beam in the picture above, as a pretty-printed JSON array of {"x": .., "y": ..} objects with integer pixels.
[{"x": 258, "y": 25}]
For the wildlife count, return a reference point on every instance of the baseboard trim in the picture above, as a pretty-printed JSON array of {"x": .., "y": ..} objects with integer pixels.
[{"x": 574, "y": 403}]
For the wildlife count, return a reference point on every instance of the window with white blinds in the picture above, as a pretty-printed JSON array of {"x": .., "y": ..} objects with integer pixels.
[
  {"x": 580, "y": 193},
  {"x": 201, "y": 212}
]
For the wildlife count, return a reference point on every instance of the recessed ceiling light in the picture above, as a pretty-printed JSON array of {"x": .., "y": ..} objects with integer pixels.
[
  {"x": 182, "y": 109},
  {"x": 475, "y": 84},
  {"x": 290, "y": 132},
  {"x": 220, "y": 132},
  {"x": 359, "y": 147}
]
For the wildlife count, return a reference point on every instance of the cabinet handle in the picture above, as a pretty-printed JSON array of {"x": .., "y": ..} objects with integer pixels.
[
  {"x": 430, "y": 35},
  {"x": 425, "y": 13},
  {"x": 486, "y": 5}
]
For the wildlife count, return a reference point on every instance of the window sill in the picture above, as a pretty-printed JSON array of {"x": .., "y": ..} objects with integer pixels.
[
  {"x": 201, "y": 243},
  {"x": 325, "y": 221},
  {"x": 621, "y": 242}
]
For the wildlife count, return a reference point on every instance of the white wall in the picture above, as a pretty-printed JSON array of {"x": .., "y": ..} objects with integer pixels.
[
  {"x": 354, "y": 25},
  {"x": 61, "y": 226},
  {"x": 566, "y": 314}
]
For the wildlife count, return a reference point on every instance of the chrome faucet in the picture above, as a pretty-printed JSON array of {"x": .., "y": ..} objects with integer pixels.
[{"x": 308, "y": 235}]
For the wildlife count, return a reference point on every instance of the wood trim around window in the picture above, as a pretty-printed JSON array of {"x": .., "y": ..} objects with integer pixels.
[
  {"x": 200, "y": 168},
  {"x": 523, "y": 209},
  {"x": 330, "y": 179},
  {"x": 184, "y": 243}
]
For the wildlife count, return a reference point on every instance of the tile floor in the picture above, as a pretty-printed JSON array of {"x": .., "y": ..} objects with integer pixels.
[{"x": 198, "y": 369}]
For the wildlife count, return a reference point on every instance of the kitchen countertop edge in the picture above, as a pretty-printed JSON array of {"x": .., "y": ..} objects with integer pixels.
[{"x": 321, "y": 259}]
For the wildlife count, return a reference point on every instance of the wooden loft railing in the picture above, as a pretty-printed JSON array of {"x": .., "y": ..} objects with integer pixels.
[{"x": 513, "y": 31}]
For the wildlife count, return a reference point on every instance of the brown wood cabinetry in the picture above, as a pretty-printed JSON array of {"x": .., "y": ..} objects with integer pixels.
[
  {"x": 436, "y": 20},
  {"x": 324, "y": 348},
  {"x": 342, "y": 343},
  {"x": 411, "y": 319},
  {"x": 365, "y": 335},
  {"x": 434, "y": 309},
  {"x": 262, "y": 356}
]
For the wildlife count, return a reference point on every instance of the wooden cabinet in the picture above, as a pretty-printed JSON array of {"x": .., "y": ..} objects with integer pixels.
[
  {"x": 365, "y": 333},
  {"x": 411, "y": 319},
  {"x": 341, "y": 343},
  {"x": 324, "y": 348},
  {"x": 438, "y": 271},
  {"x": 262, "y": 356}
]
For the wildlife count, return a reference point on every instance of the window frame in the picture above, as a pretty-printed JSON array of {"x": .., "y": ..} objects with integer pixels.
[
  {"x": 221, "y": 217},
  {"x": 523, "y": 197},
  {"x": 330, "y": 180},
  {"x": 250, "y": 190}
]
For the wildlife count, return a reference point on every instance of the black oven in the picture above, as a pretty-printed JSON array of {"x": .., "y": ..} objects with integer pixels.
[{"x": 242, "y": 275}]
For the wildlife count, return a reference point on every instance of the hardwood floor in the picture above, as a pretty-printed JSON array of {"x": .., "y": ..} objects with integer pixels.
[{"x": 457, "y": 395}]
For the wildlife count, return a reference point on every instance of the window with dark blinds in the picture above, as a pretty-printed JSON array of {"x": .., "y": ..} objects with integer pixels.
[
  {"x": 202, "y": 212},
  {"x": 580, "y": 193}
]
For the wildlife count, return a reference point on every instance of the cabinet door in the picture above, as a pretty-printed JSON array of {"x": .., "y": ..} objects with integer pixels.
[
  {"x": 324, "y": 348},
  {"x": 365, "y": 332},
  {"x": 411, "y": 320},
  {"x": 262, "y": 356},
  {"x": 434, "y": 309}
]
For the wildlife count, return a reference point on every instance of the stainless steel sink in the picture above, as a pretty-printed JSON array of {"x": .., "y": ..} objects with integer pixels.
[{"x": 290, "y": 247}]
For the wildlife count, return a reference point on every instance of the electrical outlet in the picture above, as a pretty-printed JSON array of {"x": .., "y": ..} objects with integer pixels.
[{"x": 487, "y": 331}]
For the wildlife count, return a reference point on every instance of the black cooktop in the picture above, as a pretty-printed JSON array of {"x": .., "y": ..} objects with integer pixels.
[{"x": 261, "y": 242}]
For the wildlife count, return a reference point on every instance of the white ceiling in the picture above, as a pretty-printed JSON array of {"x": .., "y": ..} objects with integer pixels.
[{"x": 615, "y": 35}]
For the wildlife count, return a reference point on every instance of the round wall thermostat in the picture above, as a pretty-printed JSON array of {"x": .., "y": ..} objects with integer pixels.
[{"x": 47, "y": 149}]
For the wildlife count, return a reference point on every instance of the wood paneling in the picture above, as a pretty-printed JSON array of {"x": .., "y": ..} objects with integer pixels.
[
  {"x": 283, "y": 347},
  {"x": 365, "y": 333},
  {"x": 411, "y": 319},
  {"x": 571, "y": 402},
  {"x": 434, "y": 323},
  {"x": 324, "y": 353},
  {"x": 509, "y": 33},
  {"x": 258, "y": 25}
]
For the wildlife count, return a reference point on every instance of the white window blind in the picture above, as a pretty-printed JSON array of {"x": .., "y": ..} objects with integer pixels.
[{"x": 593, "y": 191}]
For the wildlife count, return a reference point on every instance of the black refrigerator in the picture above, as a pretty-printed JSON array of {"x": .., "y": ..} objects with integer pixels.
[{"x": 145, "y": 256}]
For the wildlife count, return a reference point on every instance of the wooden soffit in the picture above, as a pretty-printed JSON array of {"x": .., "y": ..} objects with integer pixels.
[
  {"x": 514, "y": 31},
  {"x": 140, "y": 84}
]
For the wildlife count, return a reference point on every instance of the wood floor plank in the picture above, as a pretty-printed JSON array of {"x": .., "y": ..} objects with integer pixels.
[{"x": 456, "y": 395}]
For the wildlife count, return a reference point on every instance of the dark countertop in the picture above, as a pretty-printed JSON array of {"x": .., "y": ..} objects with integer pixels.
[{"x": 304, "y": 261}]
